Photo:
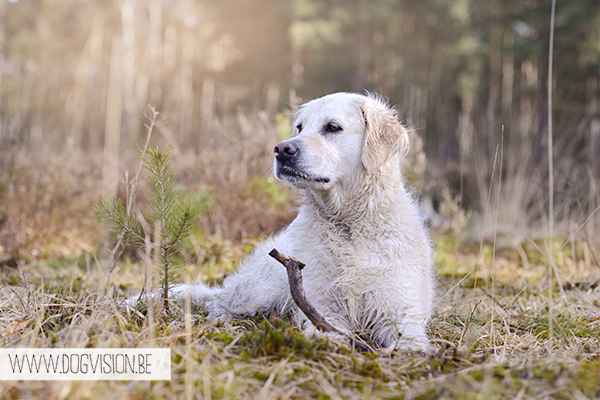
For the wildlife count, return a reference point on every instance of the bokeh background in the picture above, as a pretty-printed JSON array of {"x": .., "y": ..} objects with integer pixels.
[
  {"x": 79, "y": 80},
  {"x": 470, "y": 77}
]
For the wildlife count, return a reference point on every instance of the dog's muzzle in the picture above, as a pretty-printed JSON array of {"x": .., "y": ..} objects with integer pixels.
[
  {"x": 285, "y": 152},
  {"x": 287, "y": 156}
]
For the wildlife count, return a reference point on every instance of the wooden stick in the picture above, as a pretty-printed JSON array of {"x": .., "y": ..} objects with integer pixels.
[{"x": 293, "y": 267}]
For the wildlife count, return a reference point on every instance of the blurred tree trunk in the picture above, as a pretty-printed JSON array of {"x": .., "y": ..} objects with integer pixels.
[
  {"x": 508, "y": 73},
  {"x": 2, "y": 61},
  {"x": 44, "y": 76},
  {"x": 465, "y": 126},
  {"x": 114, "y": 109},
  {"x": 149, "y": 75},
  {"x": 76, "y": 101},
  {"x": 528, "y": 83},
  {"x": 186, "y": 110},
  {"x": 132, "y": 119},
  {"x": 362, "y": 51},
  {"x": 593, "y": 111},
  {"x": 494, "y": 90},
  {"x": 169, "y": 59},
  {"x": 538, "y": 149},
  {"x": 95, "y": 105},
  {"x": 207, "y": 104}
]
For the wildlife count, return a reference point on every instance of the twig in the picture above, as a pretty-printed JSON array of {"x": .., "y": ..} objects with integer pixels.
[
  {"x": 293, "y": 267},
  {"x": 116, "y": 252},
  {"x": 467, "y": 325}
]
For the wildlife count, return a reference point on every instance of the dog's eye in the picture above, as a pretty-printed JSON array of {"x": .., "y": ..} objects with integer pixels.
[
  {"x": 333, "y": 127},
  {"x": 299, "y": 127}
]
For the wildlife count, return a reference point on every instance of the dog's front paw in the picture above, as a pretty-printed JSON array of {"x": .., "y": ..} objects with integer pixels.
[
  {"x": 219, "y": 316},
  {"x": 412, "y": 344},
  {"x": 309, "y": 330}
]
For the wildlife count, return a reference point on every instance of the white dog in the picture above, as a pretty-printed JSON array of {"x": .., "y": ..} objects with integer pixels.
[{"x": 369, "y": 268}]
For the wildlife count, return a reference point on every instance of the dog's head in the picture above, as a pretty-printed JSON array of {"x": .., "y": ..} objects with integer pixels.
[{"x": 337, "y": 138}]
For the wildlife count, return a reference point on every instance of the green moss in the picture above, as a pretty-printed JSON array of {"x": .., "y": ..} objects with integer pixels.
[
  {"x": 218, "y": 335},
  {"x": 177, "y": 358},
  {"x": 565, "y": 326},
  {"x": 500, "y": 371},
  {"x": 14, "y": 279},
  {"x": 367, "y": 366},
  {"x": 277, "y": 339},
  {"x": 588, "y": 378},
  {"x": 261, "y": 376}
]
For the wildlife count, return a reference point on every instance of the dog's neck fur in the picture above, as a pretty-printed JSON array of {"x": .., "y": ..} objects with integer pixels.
[{"x": 370, "y": 202}]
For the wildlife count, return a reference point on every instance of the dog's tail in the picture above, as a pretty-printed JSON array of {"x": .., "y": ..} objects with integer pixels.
[{"x": 199, "y": 293}]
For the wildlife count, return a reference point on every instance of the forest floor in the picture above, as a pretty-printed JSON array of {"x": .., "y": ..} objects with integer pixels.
[
  {"x": 490, "y": 328},
  {"x": 490, "y": 325}
]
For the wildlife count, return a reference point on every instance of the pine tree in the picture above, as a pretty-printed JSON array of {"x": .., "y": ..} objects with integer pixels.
[{"x": 173, "y": 216}]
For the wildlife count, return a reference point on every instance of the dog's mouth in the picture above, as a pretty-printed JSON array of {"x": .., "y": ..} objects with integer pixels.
[{"x": 293, "y": 175}]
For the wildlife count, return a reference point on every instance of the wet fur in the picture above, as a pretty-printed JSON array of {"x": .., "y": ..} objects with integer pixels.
[{"x": 368, "y": 257}]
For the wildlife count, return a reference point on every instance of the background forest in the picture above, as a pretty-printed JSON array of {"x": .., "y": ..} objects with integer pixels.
[
  {"x": 77, "y": 76},
  {"x": 470, "y": 77}
]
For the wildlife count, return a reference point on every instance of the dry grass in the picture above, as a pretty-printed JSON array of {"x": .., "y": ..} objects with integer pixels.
[
  {"x": 46, "y": 305},
  {"x": 57, "y": 298}
]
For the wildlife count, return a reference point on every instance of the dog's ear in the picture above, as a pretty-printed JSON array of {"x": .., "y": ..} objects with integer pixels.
[{"x": 385, "y": 136}]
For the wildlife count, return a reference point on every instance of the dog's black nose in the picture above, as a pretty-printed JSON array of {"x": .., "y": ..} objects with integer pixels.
[{"x": 285, "y": 150}]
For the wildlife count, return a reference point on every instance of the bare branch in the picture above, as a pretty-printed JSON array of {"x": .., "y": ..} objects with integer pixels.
[{"x": 293, "y": 267}]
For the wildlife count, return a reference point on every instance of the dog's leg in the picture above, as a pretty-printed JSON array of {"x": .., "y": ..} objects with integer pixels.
[
  {"x": 259, "y": 284},
  {"x": 406, "y": 333},
  {"x": 251, "y": 289}
]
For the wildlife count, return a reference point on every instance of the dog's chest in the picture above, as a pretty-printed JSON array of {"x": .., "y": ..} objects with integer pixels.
[{"x": 340, "y": 251}]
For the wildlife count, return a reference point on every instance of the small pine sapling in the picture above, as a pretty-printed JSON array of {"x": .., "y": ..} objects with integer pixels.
[{"x": 173, "y": 216}]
